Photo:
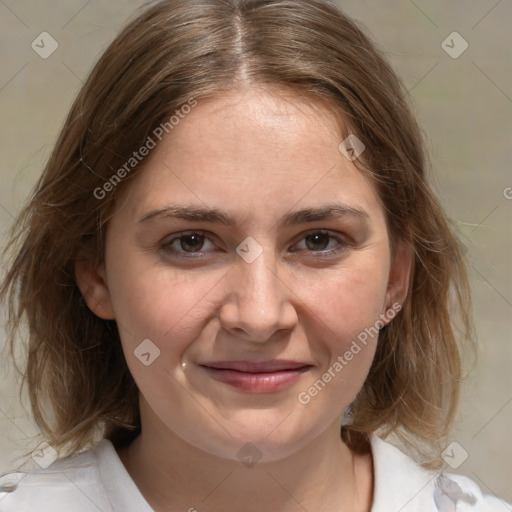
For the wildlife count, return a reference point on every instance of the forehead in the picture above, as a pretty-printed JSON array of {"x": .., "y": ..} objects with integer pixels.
[{"x": 256, "y": 150}]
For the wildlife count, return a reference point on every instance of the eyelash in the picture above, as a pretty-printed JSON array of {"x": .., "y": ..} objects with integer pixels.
[{"x": 343, "y": 243}]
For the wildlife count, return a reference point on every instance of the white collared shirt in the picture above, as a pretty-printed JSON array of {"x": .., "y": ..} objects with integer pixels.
[{"x": 97, "y": 481}]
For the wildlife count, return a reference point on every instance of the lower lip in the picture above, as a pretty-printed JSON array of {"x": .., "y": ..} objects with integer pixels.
[{"x": 257, "y": 382}]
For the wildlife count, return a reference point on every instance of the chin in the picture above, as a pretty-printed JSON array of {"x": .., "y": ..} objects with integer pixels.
[{"x": 259, "y": 439}]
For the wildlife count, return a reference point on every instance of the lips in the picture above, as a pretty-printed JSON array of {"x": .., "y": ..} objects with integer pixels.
[
  {"x": 275, "y": 365},
  {"x": 257, "y": 377}
]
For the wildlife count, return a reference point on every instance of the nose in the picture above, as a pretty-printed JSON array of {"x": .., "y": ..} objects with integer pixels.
[{"x": 258, "y": 303}]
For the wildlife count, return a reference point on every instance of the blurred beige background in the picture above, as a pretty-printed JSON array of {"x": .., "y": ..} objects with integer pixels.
[{"x": 464, "y": 104}]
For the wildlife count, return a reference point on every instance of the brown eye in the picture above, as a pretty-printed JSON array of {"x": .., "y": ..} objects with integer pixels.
[
  {"x": 321, "y": 244},
  {"x": 187, "y": 244},
  {"x": 191, "y": 243},
  {"x": 317, "y": 241}
]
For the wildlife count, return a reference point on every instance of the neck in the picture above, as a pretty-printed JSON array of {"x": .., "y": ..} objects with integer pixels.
[{"x": 325, "y": 476}]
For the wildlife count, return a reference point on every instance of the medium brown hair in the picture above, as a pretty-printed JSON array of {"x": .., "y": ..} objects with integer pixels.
[{"x": 78, "y": 381}]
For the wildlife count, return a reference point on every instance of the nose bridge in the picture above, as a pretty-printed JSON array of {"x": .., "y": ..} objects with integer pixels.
[
  {"x": 260, "y": 303},
  {"x": 260, "y": 286}
]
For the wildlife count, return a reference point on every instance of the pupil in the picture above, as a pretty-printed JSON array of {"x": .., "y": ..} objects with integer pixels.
[
  {"x": 317, "y": 241},
  {"x": 192, "y": 243}
]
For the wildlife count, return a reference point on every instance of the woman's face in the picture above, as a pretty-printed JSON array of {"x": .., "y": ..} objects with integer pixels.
[{"x": 243, "y": 265}]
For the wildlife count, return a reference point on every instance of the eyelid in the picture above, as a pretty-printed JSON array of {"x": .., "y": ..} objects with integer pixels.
[
  {"x": 343, "y": 241},
  {"x": 170, "y": 239}
]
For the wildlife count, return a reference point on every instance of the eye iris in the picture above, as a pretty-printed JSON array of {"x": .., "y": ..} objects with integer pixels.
[
  {"x": 192, "y": 243},
  {"x": 317, "y": 241}
]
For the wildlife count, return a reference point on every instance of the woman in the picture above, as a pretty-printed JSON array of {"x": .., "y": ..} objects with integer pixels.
[{"x": 236, "y": 278}]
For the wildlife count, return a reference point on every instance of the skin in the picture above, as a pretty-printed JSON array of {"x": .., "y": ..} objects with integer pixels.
[{"x": 257, "y": 156}]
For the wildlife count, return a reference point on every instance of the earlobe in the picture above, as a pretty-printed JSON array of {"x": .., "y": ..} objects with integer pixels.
[
  {"x": 399, "y": 275},
  {"x": 91, "y": 280}
]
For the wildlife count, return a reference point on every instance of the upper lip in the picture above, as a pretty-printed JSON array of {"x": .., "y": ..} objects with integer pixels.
[{"x": 274, "y": 365}]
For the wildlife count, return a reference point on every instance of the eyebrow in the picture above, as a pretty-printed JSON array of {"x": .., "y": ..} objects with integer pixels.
[{"x": 213, "y": 215}]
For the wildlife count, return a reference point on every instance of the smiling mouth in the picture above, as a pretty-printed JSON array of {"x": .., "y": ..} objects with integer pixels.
[{"x": 257, "y": 377}]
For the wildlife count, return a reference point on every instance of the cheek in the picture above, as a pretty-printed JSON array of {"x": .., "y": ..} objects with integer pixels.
[
  {"x": 169, "y": 312},
  {"x": 168, "y": 307},
  {"x": 347, "y": 300},
  {"x": 344, "y": 309}
]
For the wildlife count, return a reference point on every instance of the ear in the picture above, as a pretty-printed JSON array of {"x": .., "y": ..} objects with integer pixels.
[
  {"x": 91, "y": 280},
  {"x": 399, "y": 276}
]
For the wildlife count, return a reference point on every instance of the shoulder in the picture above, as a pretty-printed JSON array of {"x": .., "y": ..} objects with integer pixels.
[
  {"x": 73, "y": 481},
  {"x": 401, "y": 484}
]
